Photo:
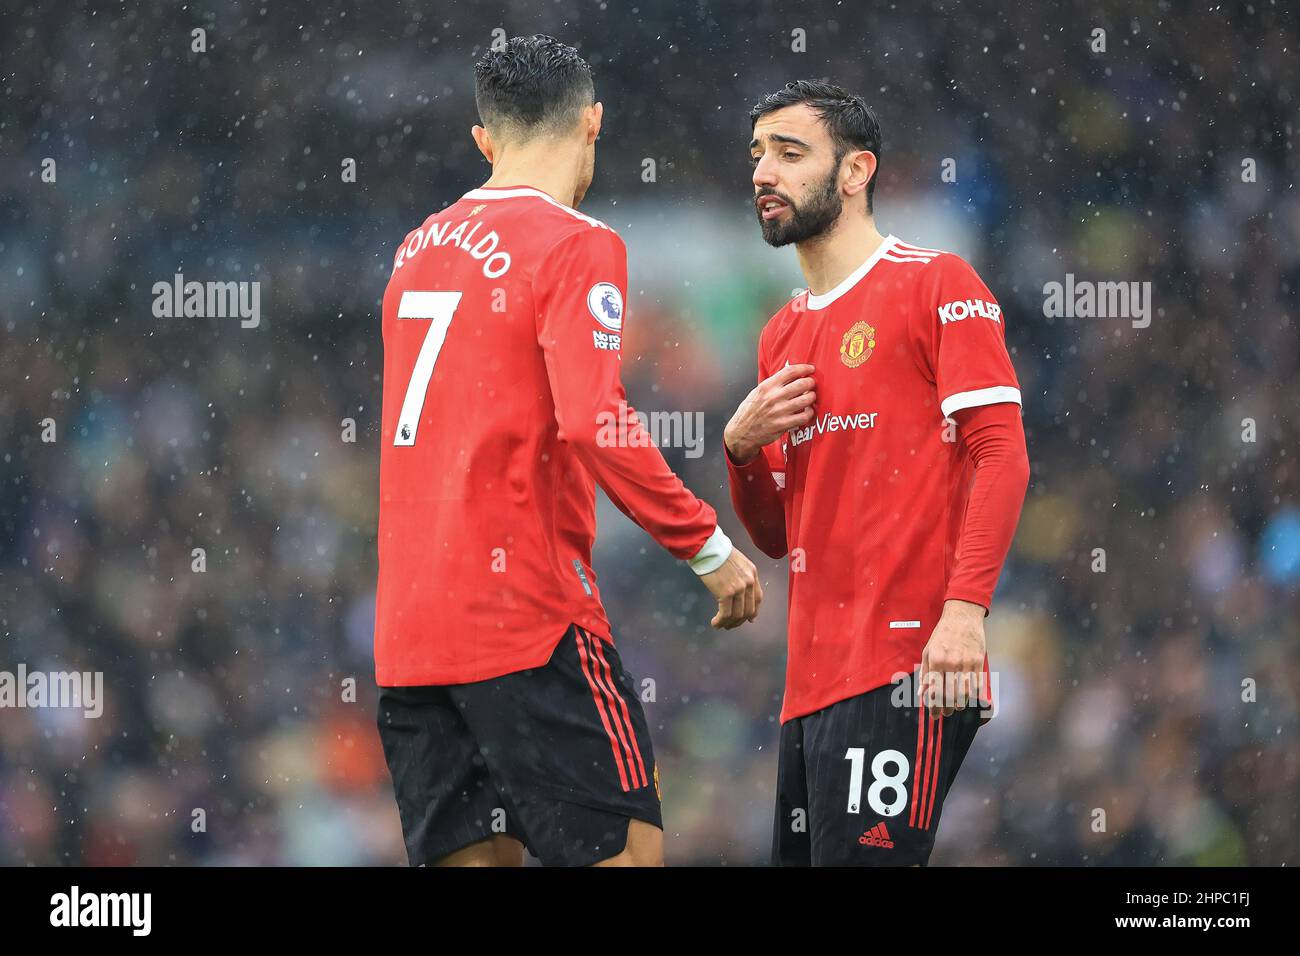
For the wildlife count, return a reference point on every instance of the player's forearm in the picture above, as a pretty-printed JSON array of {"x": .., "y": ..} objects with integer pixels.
[
  {"x": 757, "y": 502},
  {"x": 595, "y": 419},
  {"x": 640, "y": 483},
  {"x": 995, "y": 439}
]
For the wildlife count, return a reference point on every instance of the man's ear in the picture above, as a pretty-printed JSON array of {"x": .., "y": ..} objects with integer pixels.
[
  {"x": 861, "y": 167},
  {"x": 593, "y": 115},
  {"x": 483, "y": 140}
]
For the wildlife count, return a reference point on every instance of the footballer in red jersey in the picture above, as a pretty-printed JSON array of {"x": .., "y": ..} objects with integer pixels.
[
  {"x": 506, "y": 717},
  {"x": 883, "y": 452}
]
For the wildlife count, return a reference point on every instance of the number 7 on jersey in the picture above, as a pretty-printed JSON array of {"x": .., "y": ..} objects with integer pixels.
[{"x": 440, "y": 307}]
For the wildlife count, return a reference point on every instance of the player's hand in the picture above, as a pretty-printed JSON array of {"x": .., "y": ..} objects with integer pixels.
[
  {"x": 778, "y": 404},
  {"x": 737, "y": 589},
  {"x": 952, "y": 664}
]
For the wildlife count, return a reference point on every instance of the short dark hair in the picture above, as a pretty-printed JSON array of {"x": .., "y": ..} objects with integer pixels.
[
  {"x": 848, "y": 118},
  {"x": 535, "y": 84}
]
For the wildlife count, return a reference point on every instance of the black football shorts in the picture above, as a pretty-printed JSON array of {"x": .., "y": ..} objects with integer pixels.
[
  {"x": 862, "y": 782},
  {"x": 558, "y": 757}
]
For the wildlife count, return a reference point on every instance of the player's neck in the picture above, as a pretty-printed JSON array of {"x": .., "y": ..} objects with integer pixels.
[
  {"x": 832, "y": 257},
  {"x": 539, "y": 169}
]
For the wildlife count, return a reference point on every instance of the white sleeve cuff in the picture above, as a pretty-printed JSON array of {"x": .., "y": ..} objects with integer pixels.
[
  {"x": 980, "y": 396},
  {"x": 714, "y": 553}
]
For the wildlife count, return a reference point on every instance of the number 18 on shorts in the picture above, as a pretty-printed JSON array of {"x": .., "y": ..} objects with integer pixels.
[{"x": 862, "y": 782}]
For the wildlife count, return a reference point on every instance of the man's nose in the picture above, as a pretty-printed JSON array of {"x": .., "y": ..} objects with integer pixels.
[{"x": 765, "y": 174}]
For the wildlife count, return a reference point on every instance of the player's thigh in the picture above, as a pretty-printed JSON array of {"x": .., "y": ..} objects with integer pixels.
[
  {"x": 568, "y": 746},
  {"x": 498, "y": 850},
  {"x": 879, "y": 771},
  {"x": 446, "y": 799},
  {"x": 644, "y": 847}
]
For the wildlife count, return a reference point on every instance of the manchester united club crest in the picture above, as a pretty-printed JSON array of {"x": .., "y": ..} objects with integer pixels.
[{"x": 858, "y": 343}]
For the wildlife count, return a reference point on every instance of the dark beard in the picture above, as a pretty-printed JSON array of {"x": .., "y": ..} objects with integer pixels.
[{"x": 817, "y": 214}]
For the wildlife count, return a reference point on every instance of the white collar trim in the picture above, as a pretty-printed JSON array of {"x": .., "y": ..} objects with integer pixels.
[
  {"x": 512, "y": 192},
  {"x": 516, "y": 192},
  {"x": 816, "y": 302}
]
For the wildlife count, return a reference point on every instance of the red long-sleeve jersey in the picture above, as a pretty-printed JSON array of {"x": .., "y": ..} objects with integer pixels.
[
  {"x": 502, "y": 326},
  {"x": 917, "y": 404}
]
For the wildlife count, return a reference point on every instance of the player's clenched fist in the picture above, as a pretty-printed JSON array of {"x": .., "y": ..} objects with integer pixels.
[
  {"x": 778, "y": 404},
  {"x": 737, "y": 589}
]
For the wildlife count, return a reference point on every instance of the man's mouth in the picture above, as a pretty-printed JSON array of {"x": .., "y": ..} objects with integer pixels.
[{"x": 769, "y": 207}]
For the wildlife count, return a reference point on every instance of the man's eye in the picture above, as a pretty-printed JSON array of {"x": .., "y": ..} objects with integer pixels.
[
  {"x": 790, "y": 156},
  {"x": 753, "y": 160}
]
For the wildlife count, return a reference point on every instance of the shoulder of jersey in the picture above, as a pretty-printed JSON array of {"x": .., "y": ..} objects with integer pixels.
[
  {"x": 910, "y": 263},
  {"x": 908, "y": 254}
]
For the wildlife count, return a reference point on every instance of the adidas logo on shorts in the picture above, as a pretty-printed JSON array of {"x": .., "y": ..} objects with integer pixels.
[{"x": 877, "y": 836}]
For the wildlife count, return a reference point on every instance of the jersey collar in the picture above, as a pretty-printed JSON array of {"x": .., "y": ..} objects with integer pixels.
[
  {"x": 508, "y": 192},
  {"x": 515, "y": 192},
  {"x": 816, "y": 302}
]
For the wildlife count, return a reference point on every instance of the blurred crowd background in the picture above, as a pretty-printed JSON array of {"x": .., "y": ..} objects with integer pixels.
[{"x": 1164, "y": 690}]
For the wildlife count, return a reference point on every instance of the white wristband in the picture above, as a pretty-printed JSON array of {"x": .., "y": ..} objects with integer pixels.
[{"x": 714, "y": 553}]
